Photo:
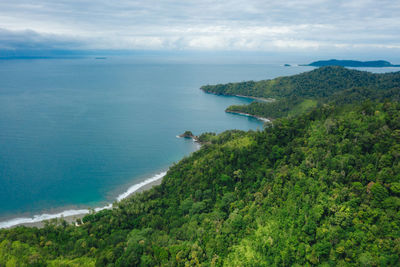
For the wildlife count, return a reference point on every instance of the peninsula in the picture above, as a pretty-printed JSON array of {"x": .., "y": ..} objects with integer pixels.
[{"x": 303, "y": 92}]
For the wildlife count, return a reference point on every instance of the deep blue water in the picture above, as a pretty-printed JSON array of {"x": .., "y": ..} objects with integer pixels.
[{"x": 76, "y": 133}]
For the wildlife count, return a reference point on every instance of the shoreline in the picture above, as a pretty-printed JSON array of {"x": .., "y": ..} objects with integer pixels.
[
  {"x": 263, "y": 99},
  {"x": 72, "y": 215},
  {"x": 249, "y": 115},
  {"x": 267, "y": 100}
]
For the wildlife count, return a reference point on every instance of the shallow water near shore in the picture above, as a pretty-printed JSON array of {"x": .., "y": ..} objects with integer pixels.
[{"x": 78, "y": 133}]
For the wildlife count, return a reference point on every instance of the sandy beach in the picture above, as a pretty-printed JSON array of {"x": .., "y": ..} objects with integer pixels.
[
  {"x": 73, "y": 218},
  {"x": 249, "y": 115}
]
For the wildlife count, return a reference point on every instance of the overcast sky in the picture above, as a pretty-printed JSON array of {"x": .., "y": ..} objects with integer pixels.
[{"x": 244, "y": 25}]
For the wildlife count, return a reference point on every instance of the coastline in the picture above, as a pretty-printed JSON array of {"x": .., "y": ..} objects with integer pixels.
[
  {"x": 268, "y": 100},
  {"x": 249, "y": 115},
  {"x": 72, "y": 215},
  {"x": 262, "y": 99}
]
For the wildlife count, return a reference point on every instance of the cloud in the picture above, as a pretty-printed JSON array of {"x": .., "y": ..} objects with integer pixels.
[
  {"x": 253, "y": 25},
  {"x": 28, "y": 39}
]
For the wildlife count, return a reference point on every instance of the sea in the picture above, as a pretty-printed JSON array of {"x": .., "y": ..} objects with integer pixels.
[{"x": 83, "y": 133}]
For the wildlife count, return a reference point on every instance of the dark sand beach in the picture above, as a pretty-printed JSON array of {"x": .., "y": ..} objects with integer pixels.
[{"x": 73, "y": 218}]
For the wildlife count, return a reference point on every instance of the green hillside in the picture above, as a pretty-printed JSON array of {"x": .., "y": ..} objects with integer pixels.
[{"x": 302, "y": 92}]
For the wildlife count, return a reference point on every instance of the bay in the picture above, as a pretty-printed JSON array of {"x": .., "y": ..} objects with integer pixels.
[{"x": 77, "y": 133}]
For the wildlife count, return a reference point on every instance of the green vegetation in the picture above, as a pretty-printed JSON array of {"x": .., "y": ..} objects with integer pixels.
[
  {"x": 320, "y": 188},
  {"x": 187, "y": 134},
  {"x": 283, "y": 108},
  {"x": 303, "y": 106},
  {"x": 300, "y": 93}
]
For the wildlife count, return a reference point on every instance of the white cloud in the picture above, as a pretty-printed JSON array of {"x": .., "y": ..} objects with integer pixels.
[{"x": 202, "y": 25}]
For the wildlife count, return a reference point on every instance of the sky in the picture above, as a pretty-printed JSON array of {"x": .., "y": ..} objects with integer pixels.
[{"x": 288, "y": 26}]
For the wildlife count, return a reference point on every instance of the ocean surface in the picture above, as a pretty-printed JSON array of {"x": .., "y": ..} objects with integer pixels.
[{"x": 77, "y": 133}]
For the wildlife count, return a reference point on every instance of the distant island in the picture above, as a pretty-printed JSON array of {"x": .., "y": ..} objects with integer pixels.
[{"x": 352, "y": 63}]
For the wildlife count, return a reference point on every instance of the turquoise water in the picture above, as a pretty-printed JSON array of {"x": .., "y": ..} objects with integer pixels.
[{"x": 77, "y": 133}]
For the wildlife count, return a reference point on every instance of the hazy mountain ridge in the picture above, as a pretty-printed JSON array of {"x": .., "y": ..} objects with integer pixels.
[{"x": 352, "y": 63}]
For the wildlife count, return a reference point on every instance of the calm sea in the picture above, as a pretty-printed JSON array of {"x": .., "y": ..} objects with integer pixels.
[{"x": 77, "y": 133}]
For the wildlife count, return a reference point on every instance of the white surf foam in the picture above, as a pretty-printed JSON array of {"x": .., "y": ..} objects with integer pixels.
[
  {"x": 135, "y": 187},
  {"x": 42, "y": 217},
  {"x": 45, "y": 216},
  {"x": 251, "y": 116},
  {"x": 264, "y": 119}
]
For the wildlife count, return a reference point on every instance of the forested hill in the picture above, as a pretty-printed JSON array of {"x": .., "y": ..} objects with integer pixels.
[
  {"x": 320, "y": 188},
  {"x": 299, "y": 93},
  {"x": 321, "y": 82}
]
